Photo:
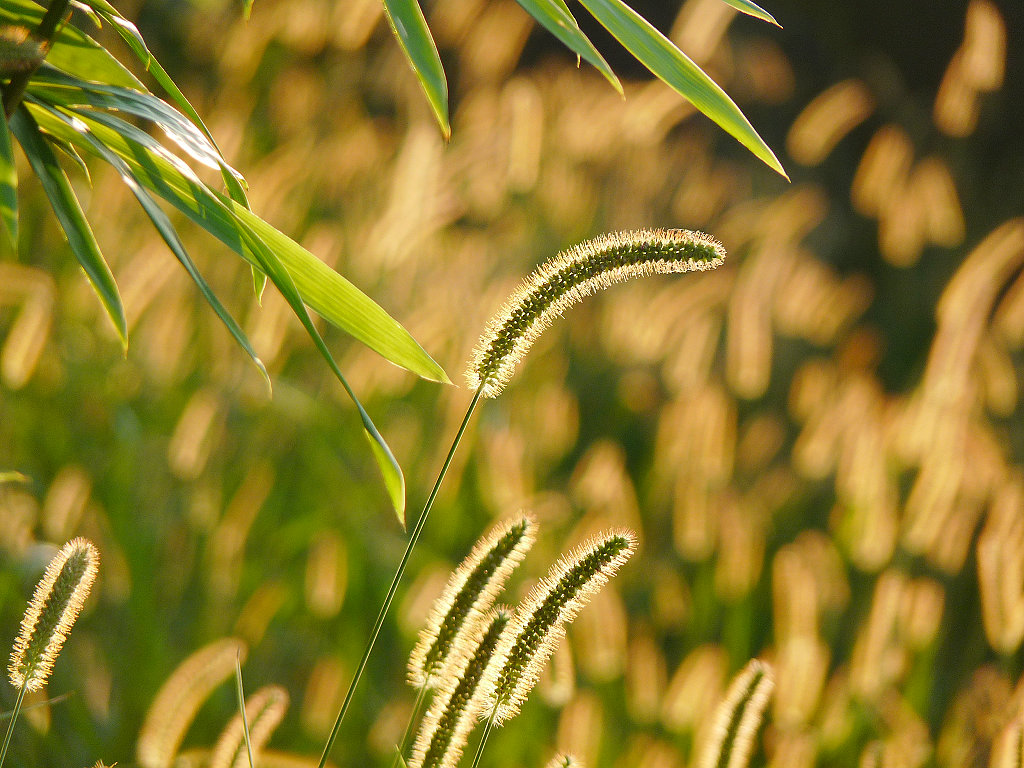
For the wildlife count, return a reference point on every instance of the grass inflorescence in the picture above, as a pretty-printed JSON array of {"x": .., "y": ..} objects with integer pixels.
[{"x": 572, "y": 275}]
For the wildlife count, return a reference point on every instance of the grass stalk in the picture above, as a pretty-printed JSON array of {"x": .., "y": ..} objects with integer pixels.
[
  {"x": 413, "y": 538},
  {"x": 421, "y": 694},
  {"x": 241, "y": 706},
  {"x": 483, "y": 737},
  {"x": 14, "y": 719}
]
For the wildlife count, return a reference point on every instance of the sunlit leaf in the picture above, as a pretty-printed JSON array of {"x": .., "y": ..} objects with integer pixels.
[
  {"x": 413, "y": 35},
  {"x": 69, "y": 214},
  {"x": 668, "y": 63},
  {"x": 8, "y": 183},
  {"x": 170, "y": 236},
  {"x": 244, "y": 236},
  {"x": 67, "y": 91},
  {"x": 324, "y": 290},
  {"x": 555, "y": 16},
  {"x": 752, "y": 9}
]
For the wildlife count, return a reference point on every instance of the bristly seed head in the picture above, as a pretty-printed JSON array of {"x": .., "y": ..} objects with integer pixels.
[
  {"x": 573, "y": 274},
  {"x": 264, "y": 711},
  {"x": 539, "y": 623},
  {"x": 458, "y": 702},
  {"x": 731, "y": 739},
  {"x": 55, "y": 605},
  {"x": 470, "y": 592}
]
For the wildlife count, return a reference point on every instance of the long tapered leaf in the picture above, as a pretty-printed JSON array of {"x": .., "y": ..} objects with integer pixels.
[
  {"x": 324, "y": 290},
  {"x": 55, "y": 87},
  {"x": 555, "y": 16},
  {"x": 72, "y": 219},
  {"x": 668, "y": 63},
  {"x": 8, "y": 183},
  {"x": 413, "y": 36},
  {"x": 73, "y": 51},
  {"x": 170, "y": 236},
  {"x": 752, "y": 9},
  {"x": 250, "y": 244}
]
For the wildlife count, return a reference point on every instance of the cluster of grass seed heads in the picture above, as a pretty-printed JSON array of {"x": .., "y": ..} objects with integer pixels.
[
  {"x": 470, "y": 591},
  {"x": 731, "y": 739},
  {"x": 570, "y": 276},
  {"x": 539, "y": 622},
  {"x": 52, "y": 611},
  {"x": 456, "y": 706}
]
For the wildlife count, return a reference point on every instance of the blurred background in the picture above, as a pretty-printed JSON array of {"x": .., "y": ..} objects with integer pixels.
[{"x": 819, "y": 443}]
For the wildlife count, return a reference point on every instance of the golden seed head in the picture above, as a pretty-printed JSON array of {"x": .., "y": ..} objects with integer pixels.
[
  {"x": 738, "y": 717},
  {"x": 470, "y": 591},
  {"x": 569, "y": 277},
  {"x": 180, "y": 698},
  {"x": 459, "y": 699},
  {"x": 539, "y": 623},
  {"x": 264, "y": 711},
  {"x": 51, "y": 613}
]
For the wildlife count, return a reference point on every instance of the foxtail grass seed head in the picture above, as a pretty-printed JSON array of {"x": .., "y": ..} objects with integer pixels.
[
  {"x": 55, "y": 605},
  {"x": 470, "y": 591},
  {"x": 180, "y": 698},
  {"x": 569, "y": 277},
  {"x": 539, "y": 623},
  {"x": 738, "y": 717},
  {"x": 456, "y": 707},
  {"x": 264, "y": 711}
]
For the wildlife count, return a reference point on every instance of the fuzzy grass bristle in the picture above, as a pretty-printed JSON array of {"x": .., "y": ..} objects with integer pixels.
[
  {"x": 539, "y": 623},
  {"x": 458, "y": 702},
  {"x": 470, "y": 591},
  {"x": 572, "y": 275},
  {"x": 738, "y": 717},
  {"x": 55, "y": 604},
  {"x": 265, "y": 710}
]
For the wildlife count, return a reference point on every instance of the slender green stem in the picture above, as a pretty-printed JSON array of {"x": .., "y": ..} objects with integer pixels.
[
  {"x": 420, "y": 696},
  {"x": 44, "y": 34},
  {"x": 483, "y": 737},
  {"x": 241, "y": 705},
  {"x": 413, "y": 538},
  {"x": 14, "y": 719}
]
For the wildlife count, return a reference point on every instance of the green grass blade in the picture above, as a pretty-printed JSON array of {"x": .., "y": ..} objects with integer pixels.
[
  {"x": 246, "y": 9},
  {"x": 240, "y": 693},
  {"x": 409, "y": 26},
  {"x": 668, "y": 63},
  {"x": 72, "y": 220},
  {"x": 554, "y": 15},
  {"x": 752, "y": 9},
  {"x": 73, "y": 51},
  {"x": 8, "y": 183},
  {"x": 324, "y": 290},
  {"x": 394, "y": 480},
  {"x": 170, "y": 236},
  {"x": 243, "y": 231},
  {"x": 53, "y": 86}
]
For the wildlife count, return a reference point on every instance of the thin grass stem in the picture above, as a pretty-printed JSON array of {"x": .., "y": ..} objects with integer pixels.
[
  {"x": 14, "y": 719},
  {"x": 413, "y": 538},
  {"x": 241, "y": 706},
  {"x": 483, "y": 737},
  {"x": 404, "y": 743}
]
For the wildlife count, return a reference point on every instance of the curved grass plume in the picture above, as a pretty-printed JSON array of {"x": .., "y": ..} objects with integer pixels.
[
  {"x": 731, "y": 739},
  {"x": 470, "y": 592},
  {"x": 180, "y": 698},
  {"x": 539, "y": 623},
  {"x": 456, "y": 707},
  {"x": 265, "y": 710},
  {"x": 569, "y": 277},
  {"x": 55, "y": 604}
]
